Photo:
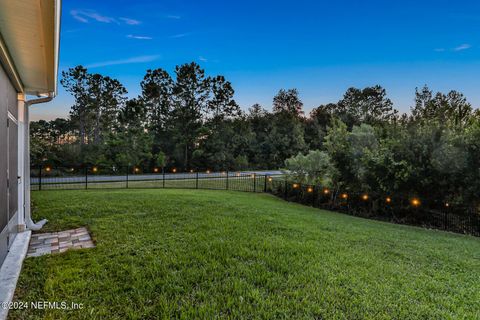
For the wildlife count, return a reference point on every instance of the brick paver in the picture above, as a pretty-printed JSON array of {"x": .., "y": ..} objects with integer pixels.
[{"x": 55, "y": 242}]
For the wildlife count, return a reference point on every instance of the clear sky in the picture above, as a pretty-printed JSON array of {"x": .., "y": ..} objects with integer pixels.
[{"x": 319, "y": 47}]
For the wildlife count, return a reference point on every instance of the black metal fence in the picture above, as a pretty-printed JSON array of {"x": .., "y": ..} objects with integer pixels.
[
  {"x": 402, "y": 210},
  {"x": 98, "y": 177}
]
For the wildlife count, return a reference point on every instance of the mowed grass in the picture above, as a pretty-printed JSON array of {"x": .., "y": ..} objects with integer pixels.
[{"x": 217, "y": 254}]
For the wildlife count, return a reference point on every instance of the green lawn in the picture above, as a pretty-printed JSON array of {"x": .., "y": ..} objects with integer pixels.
[{"x": 217, "y": 254}]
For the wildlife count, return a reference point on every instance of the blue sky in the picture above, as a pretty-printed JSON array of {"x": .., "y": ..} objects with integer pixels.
[{"x": 319, "y": 47}]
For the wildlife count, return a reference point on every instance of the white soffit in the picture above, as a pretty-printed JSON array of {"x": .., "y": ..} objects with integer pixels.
[{"x": 29, "y": 31}]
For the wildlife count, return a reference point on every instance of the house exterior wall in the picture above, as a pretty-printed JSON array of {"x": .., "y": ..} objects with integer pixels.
[
  {"x": 9, "y": 164},
  {"x": 3, "y": 165}
]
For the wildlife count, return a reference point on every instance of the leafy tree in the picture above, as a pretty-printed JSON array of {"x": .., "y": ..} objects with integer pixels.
[
  {"x": 48, "y": 140},
  {"x": 369, "y": 105},
  {"x": 261, "y": 124},
  {"x": 97, "y": 101},
  {"x": 314, "y": 168},
  {"x": 222, "y": 106},
  {"x": 161, "y": 160},
  {"x": 288, "y": 101},
  {"x": 157, "y": 96},
  {"x": 59, "y": 129},
  {"x": 362, "y": 141},
  {"x": 75, "y": 82},
  {"x": 222, "y": 147},
  {"x": 157, "y": 87},
  {"x": 216, "y": 148},
  {"x": 129, "y": 144},
  {"x": 337, "y": 146},
  {"x": 285, "y": 139},
  {"x": 471, "y": 177},
  {"x": 191, "y": 93},
  {"x": 316, "y": 125},
  {"x": 451, "y": 109}
]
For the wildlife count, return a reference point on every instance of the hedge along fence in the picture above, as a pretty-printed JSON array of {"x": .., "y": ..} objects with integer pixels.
[
  {"x": 402, "y": 210},
  {"x": 396, "y": 209}
]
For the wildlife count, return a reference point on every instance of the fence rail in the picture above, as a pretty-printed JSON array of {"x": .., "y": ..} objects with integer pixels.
[
  {"x": 400, "y": 210},
  {"x": 62, "y": 178}
]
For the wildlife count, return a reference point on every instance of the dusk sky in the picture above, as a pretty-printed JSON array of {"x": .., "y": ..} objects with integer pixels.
[{"x": 319, "y": 47}]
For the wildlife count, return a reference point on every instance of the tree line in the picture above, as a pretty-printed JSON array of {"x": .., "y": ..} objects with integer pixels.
[{"x": 191, "y": 121}]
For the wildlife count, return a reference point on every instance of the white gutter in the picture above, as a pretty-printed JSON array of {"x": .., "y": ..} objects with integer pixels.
[
  {"x": 28, "y": 213},
  {"x": 58, "y": 24}
]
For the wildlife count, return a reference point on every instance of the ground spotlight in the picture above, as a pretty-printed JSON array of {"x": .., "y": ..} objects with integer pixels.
[{"x": 415, "y": 202}]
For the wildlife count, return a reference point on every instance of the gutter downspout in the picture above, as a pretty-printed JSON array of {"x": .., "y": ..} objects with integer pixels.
[{"x": 28, "y": 214}]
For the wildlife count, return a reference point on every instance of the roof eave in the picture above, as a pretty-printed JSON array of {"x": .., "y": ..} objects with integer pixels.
[{"x": 21, "y": 75}]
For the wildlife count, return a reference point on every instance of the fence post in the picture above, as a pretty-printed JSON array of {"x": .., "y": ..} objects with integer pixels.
[
  {"x": 314, "y": 192},
  {"x": 477, "y": 220},
  {"x": 128, "y": 170},
  {"x": 163, "y": 174},
  {"x": 196, "y": 180},
  {"x": 265, "y": 184},
  {"x": 40, "y": 179},
  {"x": 227, "y": 181},
  {"x": 285, "y": 195},
  {"x": 86, "y": 177},
  {"x": 445, "y": 220},
  {"x": 254, "y": 182}
]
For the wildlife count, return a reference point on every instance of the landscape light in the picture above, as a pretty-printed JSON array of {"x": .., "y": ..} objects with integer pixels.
[
  {"x": 388, "y": 200},
  {"x": 208, "y": 171},
  {"x": 137, "y": 169},
  {"x": 344, "y": 196},
  {"x": 191, "y": 170},
  {"x": 447, "y": 204},
  {"x": 71, "y": 169},
  {"x": 415, "y": 202},
  {"x": 174, "y": 170},
  {"x": 238, "y": 174},
  {"x": 155, "y": 170},
  {"x": 295, "y": 185},
  {"x": 253, "y": 175},
  {"x": 326, "y": 191},
  {"x": 365, "y": 197},
  {"x": 48, "y": 169},
  {"x": 309, "y": 189},
  {"x": 95, "y": 169},
  {"x": 270, "y": 179}
]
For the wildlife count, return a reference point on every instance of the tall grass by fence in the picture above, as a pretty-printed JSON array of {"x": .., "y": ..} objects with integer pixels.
[{"x": 411, "y": 211}]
